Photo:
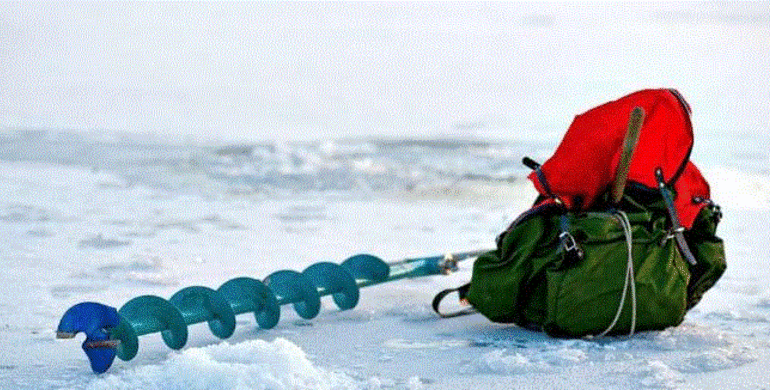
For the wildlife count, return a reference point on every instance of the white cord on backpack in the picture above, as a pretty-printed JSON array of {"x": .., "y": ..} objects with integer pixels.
[{"x": 630, "y": 280}]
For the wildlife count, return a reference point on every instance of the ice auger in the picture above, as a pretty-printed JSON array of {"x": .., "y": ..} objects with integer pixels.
[{"x": 111, "y": 332}]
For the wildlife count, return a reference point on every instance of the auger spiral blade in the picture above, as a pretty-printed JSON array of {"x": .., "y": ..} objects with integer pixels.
[{"x": 114, "y": 332}]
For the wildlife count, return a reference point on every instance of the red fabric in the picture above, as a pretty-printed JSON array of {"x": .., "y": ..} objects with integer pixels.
[
  {"x": 585, "y": 163},
  {"x": 690, "y": 185}
]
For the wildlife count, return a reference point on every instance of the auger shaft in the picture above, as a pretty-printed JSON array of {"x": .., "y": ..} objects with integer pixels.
[
  {"x": 427, "y": 266},
  {"x": 111, "y": 332}
]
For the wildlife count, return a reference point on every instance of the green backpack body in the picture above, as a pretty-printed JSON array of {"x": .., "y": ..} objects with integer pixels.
[{"x": 534, "y": 281}]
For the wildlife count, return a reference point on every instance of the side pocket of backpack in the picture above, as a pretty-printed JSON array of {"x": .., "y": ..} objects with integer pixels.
[
  {"x": 709, "y": 251},
  {"x": 499, "y": 279}
]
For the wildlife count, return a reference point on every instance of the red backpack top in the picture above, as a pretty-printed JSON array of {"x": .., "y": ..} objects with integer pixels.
[{"x": 585, "y": 163}]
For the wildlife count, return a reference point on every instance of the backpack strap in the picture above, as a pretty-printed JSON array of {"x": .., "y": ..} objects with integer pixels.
[
  {"x": 677, "y": 230},
  {"x": 462, "y": 292},
  {"x": 535, "y": 166}
]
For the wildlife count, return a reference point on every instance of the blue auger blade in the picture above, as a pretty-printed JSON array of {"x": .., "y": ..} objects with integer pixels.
[
  {"x": 110, "y": 332},
  {"x": 92, "y": 319}
]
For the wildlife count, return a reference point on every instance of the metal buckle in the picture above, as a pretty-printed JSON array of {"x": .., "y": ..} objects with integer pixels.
[
  {"x": 101, "y": 344},
  {"x": 671, "y": 234}
]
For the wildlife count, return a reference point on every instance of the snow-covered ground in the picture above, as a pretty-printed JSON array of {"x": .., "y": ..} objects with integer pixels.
[{"x": 126, "y": 219}]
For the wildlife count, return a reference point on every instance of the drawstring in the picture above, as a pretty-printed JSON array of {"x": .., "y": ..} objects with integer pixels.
[{"x": 630, "y": 280}]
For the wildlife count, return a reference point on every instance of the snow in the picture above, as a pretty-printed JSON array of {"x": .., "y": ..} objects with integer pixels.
[
  {"x": 255, "y": 364},
  {"x": 92, "y": 216}
]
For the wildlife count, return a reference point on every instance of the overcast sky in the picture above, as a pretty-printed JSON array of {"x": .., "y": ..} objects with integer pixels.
[{"x": 307, "y": 70}]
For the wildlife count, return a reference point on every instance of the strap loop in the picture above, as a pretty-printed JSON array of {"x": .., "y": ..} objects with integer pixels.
[{"x": 462, "y": 292}]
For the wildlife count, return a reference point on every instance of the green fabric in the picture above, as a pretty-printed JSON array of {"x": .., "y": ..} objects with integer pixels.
[
  {"x": 710, "y": 252},
  {"x": 528, "y": 282}
]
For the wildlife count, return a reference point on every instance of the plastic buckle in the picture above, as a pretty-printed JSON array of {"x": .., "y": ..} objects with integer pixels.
[
  {"x": 568, "y": 241},
  {"x": 572, "y": 252}
]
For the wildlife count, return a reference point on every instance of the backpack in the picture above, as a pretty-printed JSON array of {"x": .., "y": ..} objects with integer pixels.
[{"x": 591, "y": 260}]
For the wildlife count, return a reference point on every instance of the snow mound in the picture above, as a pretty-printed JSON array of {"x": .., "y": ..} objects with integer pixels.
[
  {"x": 658, "y": 375},
  {"x": 253, "y": 364},
  {"x": 503, "y": 362},
  {"x": 498, "y": 362}
]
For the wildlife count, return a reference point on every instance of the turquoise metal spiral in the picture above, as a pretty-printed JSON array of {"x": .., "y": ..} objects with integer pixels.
[{"x": 111, "y": 332}]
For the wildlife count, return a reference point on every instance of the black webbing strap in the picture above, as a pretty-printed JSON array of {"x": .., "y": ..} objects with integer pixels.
[
  {"x": 676, "y": 229},
  {"x": 535, "y": 166},
  {"x": 462, "y": 292}
]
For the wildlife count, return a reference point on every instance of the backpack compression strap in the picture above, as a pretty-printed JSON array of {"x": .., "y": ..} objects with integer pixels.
[{"x": 676, "y": 229}]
